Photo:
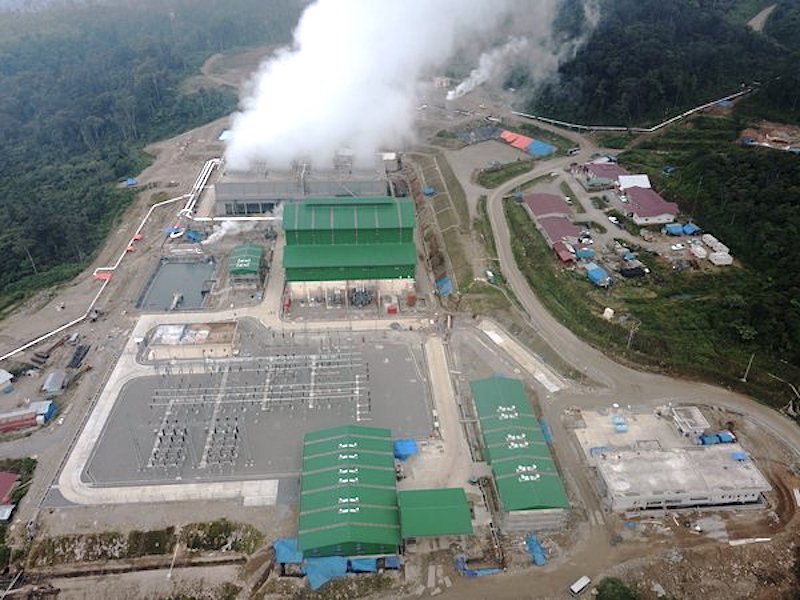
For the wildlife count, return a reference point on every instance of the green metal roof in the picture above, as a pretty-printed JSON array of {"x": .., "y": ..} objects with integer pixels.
[
  {"x": 322, "y": 214},
  {"x": 425, "y": 513},
  {"x": 245, "y": 260},
  {"x": 349, "y": 256},
  {"x": 524, "y": 471},
  {"x": 348, "y": 495}
]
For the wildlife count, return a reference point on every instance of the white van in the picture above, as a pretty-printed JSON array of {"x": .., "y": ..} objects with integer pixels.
[{"x": 580, "y": 586}]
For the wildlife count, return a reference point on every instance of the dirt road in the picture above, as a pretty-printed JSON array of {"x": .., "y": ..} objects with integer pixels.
[{"x": 758, "y": 22}]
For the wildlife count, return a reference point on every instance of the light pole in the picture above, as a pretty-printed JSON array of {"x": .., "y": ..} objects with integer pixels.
[{"x": 747, "y": 370}]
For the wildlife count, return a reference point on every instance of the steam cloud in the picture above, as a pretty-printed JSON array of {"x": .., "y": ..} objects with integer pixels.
[
  {"x": 487, "y": 67},
  {"x": 349, "y": 79}
]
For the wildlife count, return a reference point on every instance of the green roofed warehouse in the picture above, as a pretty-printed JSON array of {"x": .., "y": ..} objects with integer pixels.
[
  {"x": 337, "y": 245},
  {"x": 529, "y": 488},
  {"x": 348, "y": 494},
  {"x": 246, "y": 266}
]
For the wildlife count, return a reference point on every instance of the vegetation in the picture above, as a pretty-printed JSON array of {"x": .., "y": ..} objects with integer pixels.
[
  {"x": 84, "y": 89},
  {"x": 611, "y": 588},
  {"x": 221, "y": 535},
  {"x": 617, "y": 142},
  {"x": 649, "y": 59},
  {"x": 568, "y": 193},
  {"x": 494, "y": 177},
  {"x": 108, "y": 545}
]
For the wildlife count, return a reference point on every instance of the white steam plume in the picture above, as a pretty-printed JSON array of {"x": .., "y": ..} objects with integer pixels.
[
  {"x": 349, "y": 78},
  {"x": 228, "y": 228},
  {"x": 488, "y": 65}
]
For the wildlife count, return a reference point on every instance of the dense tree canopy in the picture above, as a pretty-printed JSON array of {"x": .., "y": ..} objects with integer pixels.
[{"x": 648, "y": 59}]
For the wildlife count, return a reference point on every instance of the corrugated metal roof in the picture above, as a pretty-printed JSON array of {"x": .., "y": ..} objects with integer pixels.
[
  {"x": 323, "y": 214},
  {"x": 348, "y": 495},
  {"x": 245, "y": 260},
  {"x": 348, "y": 256},
  {"x": 427, "y": 513},
  {"x": 524, "y": 471}
]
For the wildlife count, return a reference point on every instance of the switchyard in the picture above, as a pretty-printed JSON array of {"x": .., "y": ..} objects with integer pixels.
[{"x": 241, "y": 417}]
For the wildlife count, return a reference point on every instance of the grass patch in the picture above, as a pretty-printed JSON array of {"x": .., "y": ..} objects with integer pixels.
[
  {"x": 493, "y": 177},
  {"x": 616, "y": 142},
  {"x": 457, "y": 195},
  {"x": 600, "y": 202},
  {"x": 568, "y": 193},
  {"x": 221, "y": 536},
  {"x": 627, "y": 223},
  {"x": 536, "y": 181},
  {"x": 462, "y": 269}
]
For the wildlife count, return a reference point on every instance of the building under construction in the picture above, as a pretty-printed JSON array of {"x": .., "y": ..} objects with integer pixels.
[
  {"x": 350, "y": 250},
  {"x": 259, "y": 190}
]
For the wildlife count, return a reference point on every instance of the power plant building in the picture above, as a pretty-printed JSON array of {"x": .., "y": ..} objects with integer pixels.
[
  {"x": 246, "y": 267},
  {"x": 339, "y": 244},
  {"x": 259, "y": 190}
]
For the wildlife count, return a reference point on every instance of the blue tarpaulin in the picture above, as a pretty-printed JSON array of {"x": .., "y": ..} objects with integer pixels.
[
  {"x": 629, "y": 256},
  {"x": 726, "y": 437},
  {"x": 429, "y": 191},
  {"x": 194, "y": 236},
  {"x": 547, "y": 433},
  {"x": 709, "y": 440},
  {"x": 740, "y": 456},
  {"x": 461, "y": 567},
  {"x": 392, "y": 562},
  {"x": 674, "y": 229},
  {"x": 405, "y": 449},
  {"x": 584, "y": 253},
  {"x": 445, "y": 287},
  {"x": 538, "y": 148},
  {"x": 364, "y": 565},
  {"x": 287, "y": 551},
  {"x": 536, "y": 550},
  {"x": 171, "y": 230},
  {"x": 322, "y": 570},
  {"x": 621, "y": 428},
  {"x": 691, "y": 229},
  {"x": 130, "y": 182}
]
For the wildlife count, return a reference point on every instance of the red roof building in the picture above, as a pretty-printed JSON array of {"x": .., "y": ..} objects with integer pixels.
[
  {"x": 563, "y": 253},
  {"x": 8, "y": 481},
  {"x": 542, "y": 205},
  {"x": 647, "y": 207},
  {"x": 559, "y": 229},
  {"x": 520, "y": 142}
]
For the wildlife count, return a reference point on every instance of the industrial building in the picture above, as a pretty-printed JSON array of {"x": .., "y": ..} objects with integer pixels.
[
  {"x": 337, "y": 245},
  {"x": 349, "y": 503},
  {"x": 434, "y": 513},
  {"x": 667, "y": 460},
  {"x": 529, "y": 488},
  {"x": 246, "y": 267},
  {"x": 348, "y": 493},
  {"x": 259, "y": 190},
  {"x": 192, "y": 341}
]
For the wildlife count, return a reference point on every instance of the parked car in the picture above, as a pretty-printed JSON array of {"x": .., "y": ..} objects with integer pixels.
[
  {"x": 614, "y": 220},
  {"x": 677, "y": 247}
]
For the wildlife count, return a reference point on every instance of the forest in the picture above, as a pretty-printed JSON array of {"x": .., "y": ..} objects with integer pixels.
[
  {"x": 83, "y": 90},
  {"x": 648, "y": 59}
]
